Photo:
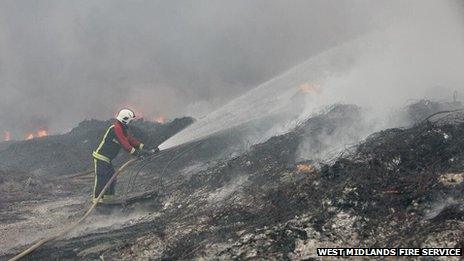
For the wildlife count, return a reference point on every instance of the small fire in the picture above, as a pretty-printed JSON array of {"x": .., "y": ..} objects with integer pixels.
[
  {"x": 38, "y": 134},
  {"x": 160, "y": 119},
  {"x": 42, "y": 133},
  {"x": 308, "y": 88},
  {"x": 7, "y": 136},
  {"x": 305, "y": 168}
]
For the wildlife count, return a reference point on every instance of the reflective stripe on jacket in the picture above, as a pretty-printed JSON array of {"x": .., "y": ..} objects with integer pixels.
[{"x": 116, "y": 136}]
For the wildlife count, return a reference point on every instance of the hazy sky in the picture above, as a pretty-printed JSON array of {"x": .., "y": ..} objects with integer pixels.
[{"x": 65, "y": 61}]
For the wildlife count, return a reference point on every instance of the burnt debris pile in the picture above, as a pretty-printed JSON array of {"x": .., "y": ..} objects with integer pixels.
[
  {"x": 418, "y": 111},
  {"x": 280, "y": 200},
  {"x": 71, "y": 152},
  {"x": 400, "y": 183}
]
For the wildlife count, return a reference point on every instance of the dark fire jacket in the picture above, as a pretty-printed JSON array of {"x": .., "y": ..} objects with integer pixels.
[{"x": 116, "y": 136}]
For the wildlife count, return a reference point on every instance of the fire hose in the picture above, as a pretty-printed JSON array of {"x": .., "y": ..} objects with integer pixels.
[
  {"x": 440, "y": 112},
  {"x": 89, "y": 211},
  {"x": 133, "y": 178},
  {"x": 75, "y": 224}
]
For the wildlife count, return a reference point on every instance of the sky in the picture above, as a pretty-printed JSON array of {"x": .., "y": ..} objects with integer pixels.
[{"x": 64, "y": 61}]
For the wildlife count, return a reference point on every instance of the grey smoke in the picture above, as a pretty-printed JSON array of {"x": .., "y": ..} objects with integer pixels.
[
  {"x": 380, "y": 70},
  {"x": 65, "y": 61}
]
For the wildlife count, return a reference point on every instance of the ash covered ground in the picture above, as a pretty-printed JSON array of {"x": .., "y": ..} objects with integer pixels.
[{"x": 322, "y": 184}]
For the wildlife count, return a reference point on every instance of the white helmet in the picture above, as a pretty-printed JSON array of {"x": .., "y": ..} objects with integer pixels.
[{"x": 125, "y": 116}]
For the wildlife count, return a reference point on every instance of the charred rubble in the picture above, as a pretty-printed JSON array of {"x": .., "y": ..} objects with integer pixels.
[
  {"x": 35, "y": 172},
  {"x": 418, "y": 111},
  {"x": 69, "y": 153},
  {"x": 398, "y": 187}
]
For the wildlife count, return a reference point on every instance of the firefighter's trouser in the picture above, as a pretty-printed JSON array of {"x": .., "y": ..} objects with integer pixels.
[{"x": 103, "y": 173}]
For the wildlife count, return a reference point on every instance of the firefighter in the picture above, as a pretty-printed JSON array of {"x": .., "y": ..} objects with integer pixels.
[{"x": 115, "y": 138}]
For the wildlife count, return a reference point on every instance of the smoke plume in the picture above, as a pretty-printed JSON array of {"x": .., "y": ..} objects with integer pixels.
[
  {"x": 408, "y": 58},
  {"x": 65, "y": 61}
]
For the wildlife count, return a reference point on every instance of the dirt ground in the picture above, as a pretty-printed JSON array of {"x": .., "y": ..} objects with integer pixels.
[{"x": 398, "y": 187}]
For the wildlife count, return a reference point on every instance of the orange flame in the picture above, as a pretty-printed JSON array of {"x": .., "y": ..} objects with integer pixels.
[
  {"x": 308, "y": 88},
  {"x": 305, "y": 168},
  {"x": 42, "y": 133},
  {"x": 38, "y": 134},
  {"x": 7, "y": 136},
  {"x": 160, "y": 119}
]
